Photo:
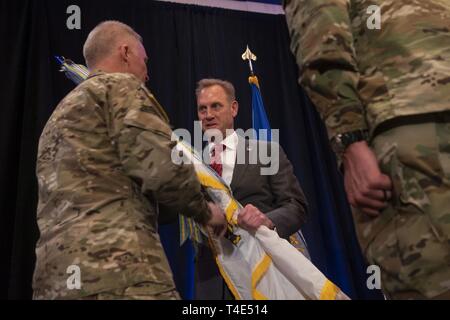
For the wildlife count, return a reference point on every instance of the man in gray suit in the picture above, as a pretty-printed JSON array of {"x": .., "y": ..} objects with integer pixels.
[{"x": 276, "y": 201}]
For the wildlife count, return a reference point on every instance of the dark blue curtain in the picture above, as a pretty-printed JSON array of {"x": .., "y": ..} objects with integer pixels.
[{"x": 184, "y": 43}]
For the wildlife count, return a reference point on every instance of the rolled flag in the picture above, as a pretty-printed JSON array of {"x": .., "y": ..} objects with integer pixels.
[{"x": 75, "y": 72}]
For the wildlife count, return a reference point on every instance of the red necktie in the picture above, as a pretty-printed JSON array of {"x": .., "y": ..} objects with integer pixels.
[{"x": 216, "y": 162}]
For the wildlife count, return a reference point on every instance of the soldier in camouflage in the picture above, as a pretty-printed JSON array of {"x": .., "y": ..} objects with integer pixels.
[
  {"x": 103, "y": 165},
  {"x": 384, "y": 95}
]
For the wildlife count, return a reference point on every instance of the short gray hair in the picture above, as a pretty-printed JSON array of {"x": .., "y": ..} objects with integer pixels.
[
  {"x": 226, "y": 86},
  {"x": 102, "y": 39}
]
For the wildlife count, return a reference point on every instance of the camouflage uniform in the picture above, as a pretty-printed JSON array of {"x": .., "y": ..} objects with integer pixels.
[
  {"x": 388, "y": 81},
  {"x": 104, "y": 164}
]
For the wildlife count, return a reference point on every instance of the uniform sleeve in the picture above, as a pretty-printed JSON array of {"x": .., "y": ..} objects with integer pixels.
[
  {"x": 144, "y": 143},
  {"x": 322, "y": 43}
]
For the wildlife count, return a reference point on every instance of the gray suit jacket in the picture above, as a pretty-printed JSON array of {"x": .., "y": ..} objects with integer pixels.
[{"x": 279, "y": 196}]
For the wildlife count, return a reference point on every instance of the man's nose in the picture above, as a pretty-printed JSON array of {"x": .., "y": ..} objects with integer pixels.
[
  {"x": 209, "y": 114},
  {"x": 146, "y": 78}
]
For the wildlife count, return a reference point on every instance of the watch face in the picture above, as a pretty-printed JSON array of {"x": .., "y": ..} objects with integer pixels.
[
  {"x": 341, "y": 141},
  {"x": 347, "y": 139}
]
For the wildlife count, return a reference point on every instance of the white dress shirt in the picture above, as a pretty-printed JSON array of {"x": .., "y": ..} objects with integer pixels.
[{"x": 228, "y": 156}]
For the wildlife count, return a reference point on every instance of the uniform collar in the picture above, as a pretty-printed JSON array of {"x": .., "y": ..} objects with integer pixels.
[{"x": 95, "y": 73}]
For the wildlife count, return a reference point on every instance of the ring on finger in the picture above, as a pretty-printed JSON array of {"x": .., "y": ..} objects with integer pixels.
[{"x": 385, "y": 194}]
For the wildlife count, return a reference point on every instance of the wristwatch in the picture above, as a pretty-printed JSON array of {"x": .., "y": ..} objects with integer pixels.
[{"x": 342, "y": 140}]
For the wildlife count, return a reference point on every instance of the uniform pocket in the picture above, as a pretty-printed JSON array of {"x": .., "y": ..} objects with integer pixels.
[{"x": 421, "y": 244}]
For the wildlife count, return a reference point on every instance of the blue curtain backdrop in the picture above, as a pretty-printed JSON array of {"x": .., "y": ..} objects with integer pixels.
[{"x": 184, "y": 43}]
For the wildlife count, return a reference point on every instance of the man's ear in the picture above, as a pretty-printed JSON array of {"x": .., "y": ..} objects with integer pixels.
[
  {"x": 234, "y": 108},
  {"x": 124, "y": 51}
]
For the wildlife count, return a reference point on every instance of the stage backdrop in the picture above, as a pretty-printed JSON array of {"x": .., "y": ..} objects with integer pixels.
[{"x": 185, "y": 43}]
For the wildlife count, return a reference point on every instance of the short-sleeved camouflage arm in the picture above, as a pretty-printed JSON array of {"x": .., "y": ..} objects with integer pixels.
[
  {"x": 144, "y": 143},
  {"x": 322, "y": 42}
]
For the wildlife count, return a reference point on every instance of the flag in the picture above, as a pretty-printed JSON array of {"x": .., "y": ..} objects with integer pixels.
[
  {"x": 259, "y": 116},
  {"x": 75, "y": 72}
]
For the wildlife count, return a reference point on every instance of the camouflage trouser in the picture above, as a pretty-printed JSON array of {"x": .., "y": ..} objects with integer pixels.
[
  {"x": 409, "y": 241},
  {"x": 141, "y": 291}
]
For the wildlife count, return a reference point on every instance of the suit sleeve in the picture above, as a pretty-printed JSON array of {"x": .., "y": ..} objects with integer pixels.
[
  {"x": 290, "y": 202},
  {"x": 322, "y": 42},
  {"x": 144, "y": 143}
]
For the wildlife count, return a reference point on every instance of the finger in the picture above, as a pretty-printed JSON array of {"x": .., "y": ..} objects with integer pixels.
[
  {"x": 266, "y": 221},
  {"x": 249, "y": 217},
  {"x": 249, "y": 206},
  {"x": 242, "y": 217},
  {"x": 255, "y": 218},
  {"x": 387, "y": 195},
  {"x": 242, "y": 222},
  {"x": 261, "y": 219},
  {"x": 380, "y": 195},
  {"x": 259, "y": 223},
  {"x": 244, "y": 225},
  {"x": 370, "y": 212},
  {"x": 247, "y": 222},
  {"x": 382, "y": 182},
  {"x": 256, "y": 210},
  {"x": 366, "y": 202},
  {"x": 245, "y": 214}
]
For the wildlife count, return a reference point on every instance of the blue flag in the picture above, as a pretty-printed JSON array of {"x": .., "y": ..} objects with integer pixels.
[{"x": 259, "y": 116}]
